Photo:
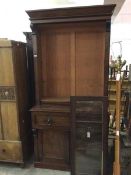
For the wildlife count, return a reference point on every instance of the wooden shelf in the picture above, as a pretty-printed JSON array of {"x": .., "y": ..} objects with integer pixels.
[{"x": 56, "y": 101}]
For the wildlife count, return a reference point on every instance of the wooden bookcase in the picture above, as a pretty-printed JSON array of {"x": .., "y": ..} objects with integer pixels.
[{"x": 71, "y": 57}]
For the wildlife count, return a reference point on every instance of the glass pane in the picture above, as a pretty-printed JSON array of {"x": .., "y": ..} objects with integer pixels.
[
  {"x": 89, "y": 110},
  {"x": 88, "y": 137},
  {"x": 88, "y": 150}
]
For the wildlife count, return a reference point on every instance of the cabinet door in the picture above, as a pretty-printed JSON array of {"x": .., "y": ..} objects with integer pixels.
[
  {"x": 89, "y": 135},
  {"x": 53, "y": 149}
]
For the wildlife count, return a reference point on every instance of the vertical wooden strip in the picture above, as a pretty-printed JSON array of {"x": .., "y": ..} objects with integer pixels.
[
  {"x": 73, "y": 65},
  {"x": 117, "y": 139},
  {"x": 106, "y": 60},
  {"x": 1, "y": 128},
  {"x": 36, "y": 68},
  {"x": 44, "y": 67}
]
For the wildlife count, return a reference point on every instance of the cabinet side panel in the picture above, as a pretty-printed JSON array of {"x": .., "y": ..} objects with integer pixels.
[
  {"x": 6, "y": 67},
  {"x": 23, "y": 105},
  {"x": 90, "y": 48},
  {"x": 56, "y": 64},
  {"x": 9, "y": 121}
]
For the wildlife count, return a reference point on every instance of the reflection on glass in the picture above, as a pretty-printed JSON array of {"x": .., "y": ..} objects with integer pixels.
[
  {"x": 88, "y": 150},
  {"x": 89, "y": 106}
]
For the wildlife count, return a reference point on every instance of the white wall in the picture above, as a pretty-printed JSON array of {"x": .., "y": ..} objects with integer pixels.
[
  {"x": 122, "y": 33},
  {"x": 14, "y": 20}
]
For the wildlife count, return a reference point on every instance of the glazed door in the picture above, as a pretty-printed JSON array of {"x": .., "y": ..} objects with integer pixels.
[{"x": 88, "y": 135}]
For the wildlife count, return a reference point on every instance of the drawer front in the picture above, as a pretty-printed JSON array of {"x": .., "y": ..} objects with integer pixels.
[
  {"x": 43, "y": 120},
  {"x": 10, "y": 151}
]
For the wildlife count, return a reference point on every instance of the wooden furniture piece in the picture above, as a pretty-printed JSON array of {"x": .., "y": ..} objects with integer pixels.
[
  {"x": 15, "y": 124},
  {"x": 71, "y": 57},
  {"x": 89, "y": 144}
]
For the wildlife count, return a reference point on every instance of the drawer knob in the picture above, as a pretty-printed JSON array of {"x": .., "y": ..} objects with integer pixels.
[{"x": 49, "y": 121}]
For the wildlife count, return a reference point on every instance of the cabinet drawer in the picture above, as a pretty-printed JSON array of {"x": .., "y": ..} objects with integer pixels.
[
  {"x": 10, "y": 151},
  {"x": 43, "y": 120}
]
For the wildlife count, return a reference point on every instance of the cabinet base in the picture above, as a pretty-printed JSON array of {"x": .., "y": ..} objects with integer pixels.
[{"x": 52, "y": 166}]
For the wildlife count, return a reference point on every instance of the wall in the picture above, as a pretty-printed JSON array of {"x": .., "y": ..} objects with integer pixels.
[{"x": 121, "y": 31}]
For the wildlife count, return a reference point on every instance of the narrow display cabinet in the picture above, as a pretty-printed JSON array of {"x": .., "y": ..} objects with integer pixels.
[
  {"x": 71, "y": 57},
  {"x": 89, "y": 135},
  {"x": 15, "y": 123}
]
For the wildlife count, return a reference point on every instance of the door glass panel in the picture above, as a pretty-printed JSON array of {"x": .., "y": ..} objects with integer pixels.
[{"x": 88, "y": 148}]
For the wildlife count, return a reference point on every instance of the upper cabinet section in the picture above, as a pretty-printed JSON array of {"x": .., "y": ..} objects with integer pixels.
[{"x": 71, "y": 51}]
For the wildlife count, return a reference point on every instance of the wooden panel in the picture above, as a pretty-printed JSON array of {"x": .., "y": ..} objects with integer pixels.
[
  {"x": 56, "y": 78},
  {"x": 6, "y": 67},
  {"x": 90, "y": 63},
  {"x": 5, "y": 43},
  {"x": 54, "y": 148},
  {"x": 21, "y": 77},
  {"x": 9, "y": 121},
  {"x": 73, "y": 64},
  {"x": 23, "y": 105},
  {"x": 10, "y": 151},
  {"x": 1, "y": 131}
]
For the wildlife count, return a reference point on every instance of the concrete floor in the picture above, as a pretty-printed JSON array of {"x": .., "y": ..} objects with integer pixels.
[{"x": 11, "y": 169}]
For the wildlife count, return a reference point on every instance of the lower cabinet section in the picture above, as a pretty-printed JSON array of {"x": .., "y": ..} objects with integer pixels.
[
  {"x": 51, "y": 139},
  {"x": 52, "y": 149},
  {"x": 72, "y": 137},
  {"x": 11, "y": 151}
]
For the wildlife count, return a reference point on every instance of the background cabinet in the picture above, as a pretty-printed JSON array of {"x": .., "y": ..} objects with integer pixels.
[
  {"x": 15, "y": 124},
  {"x": 71, "y": 57}
]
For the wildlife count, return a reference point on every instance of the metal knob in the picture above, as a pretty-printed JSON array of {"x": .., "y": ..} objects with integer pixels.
[{"x": 49, "y": 121}]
